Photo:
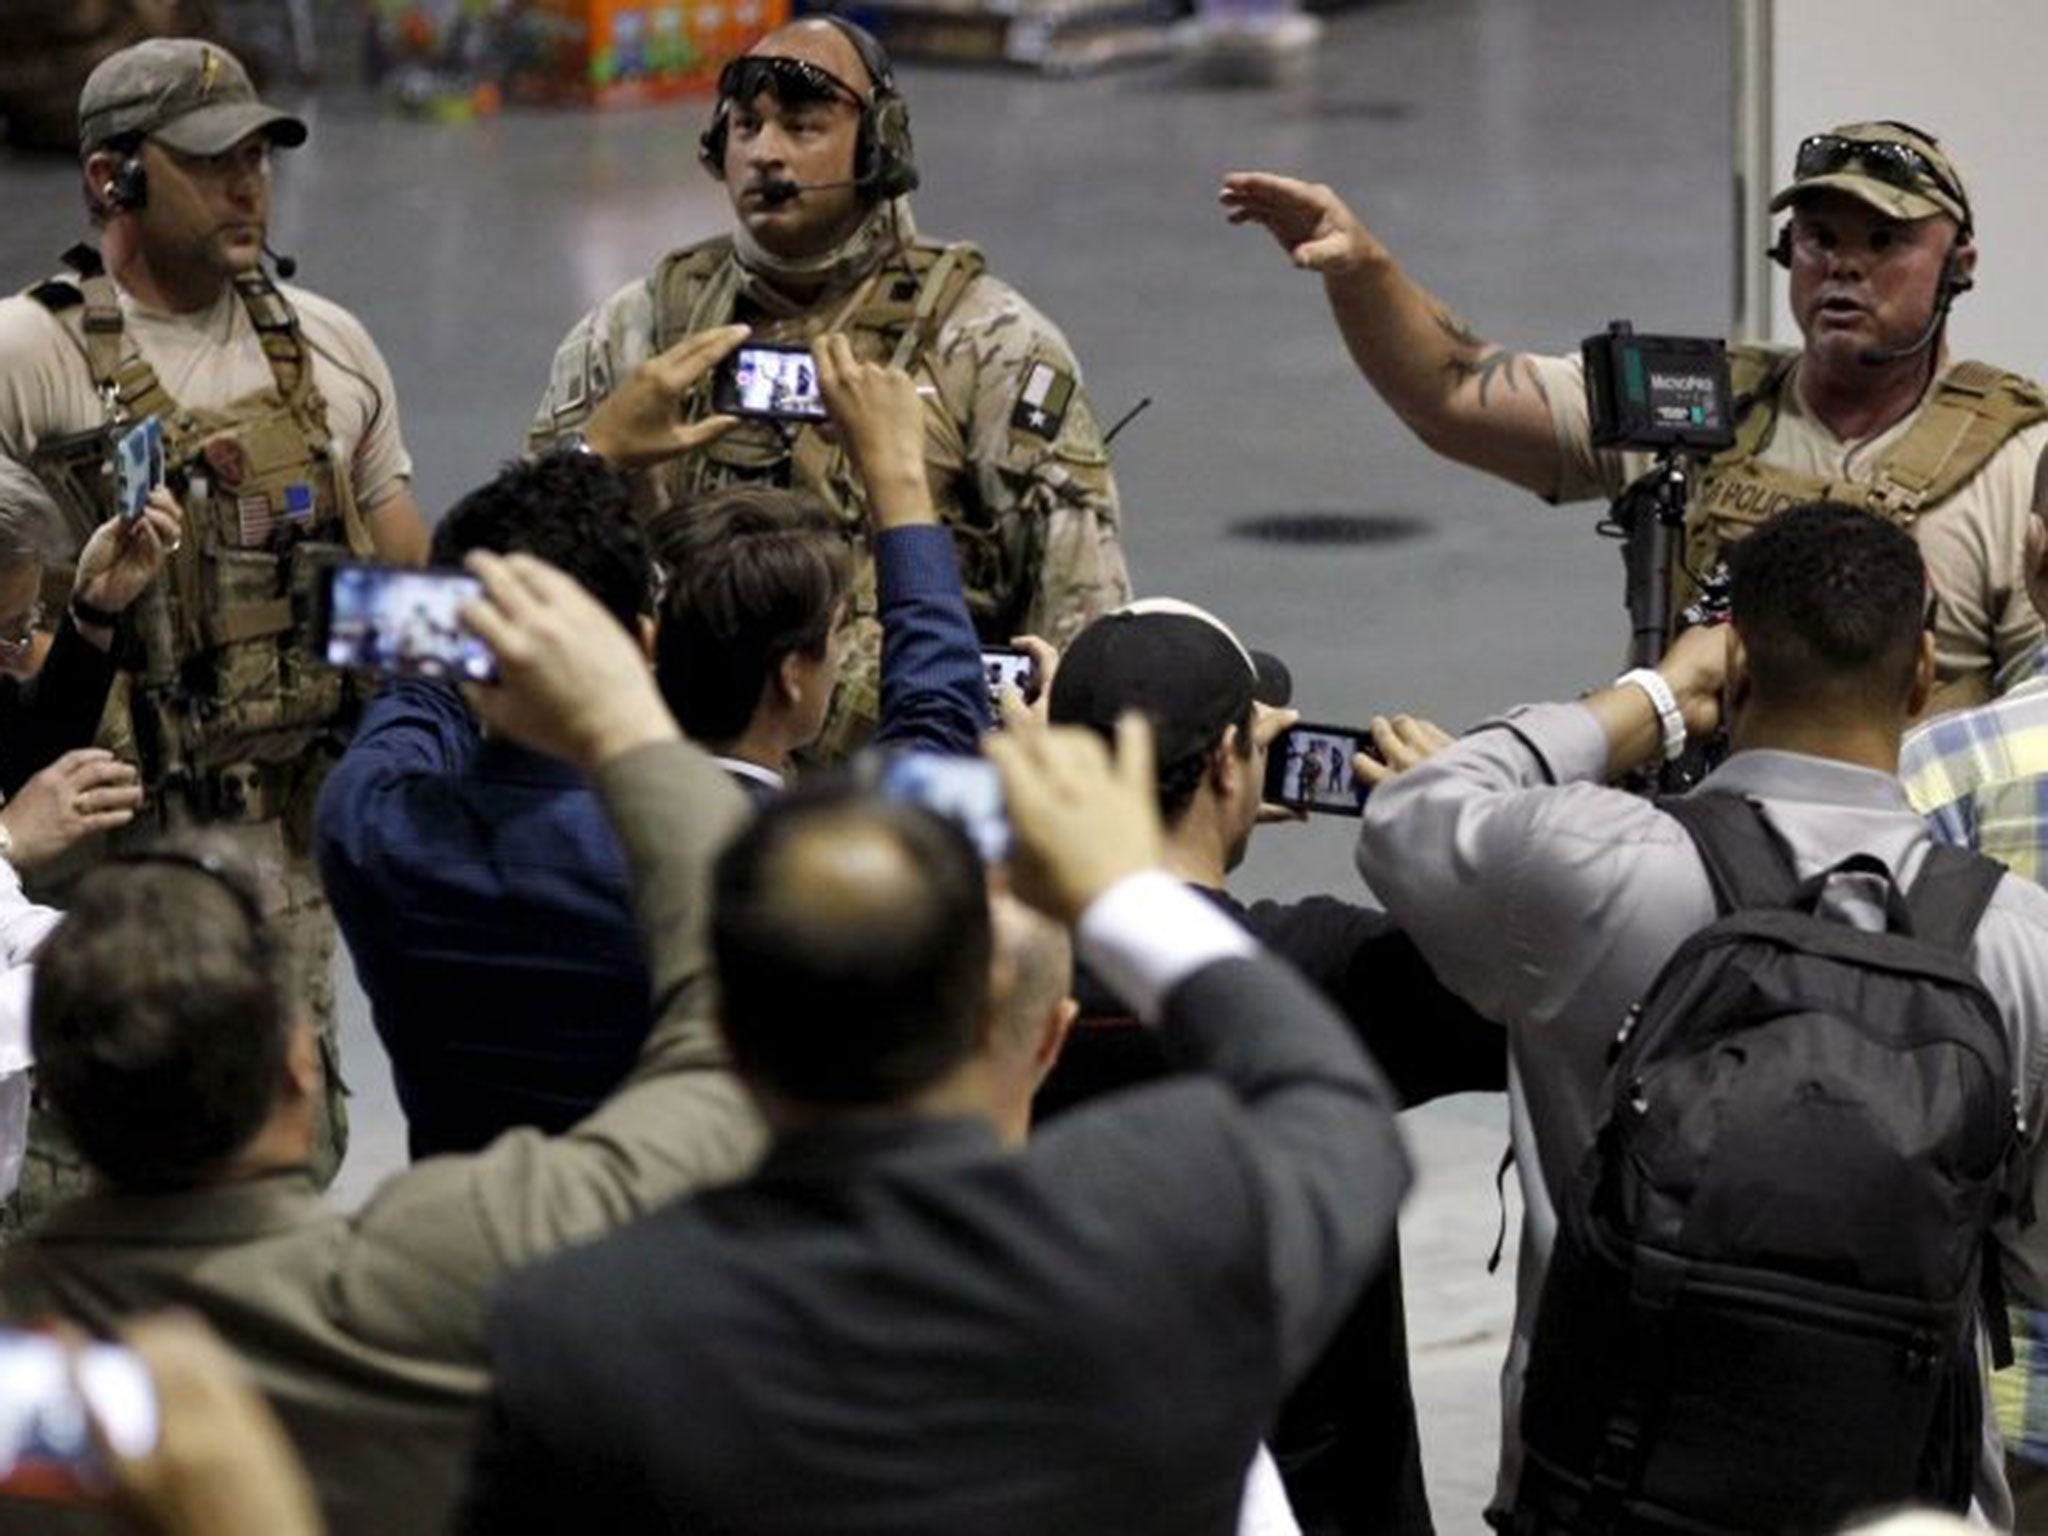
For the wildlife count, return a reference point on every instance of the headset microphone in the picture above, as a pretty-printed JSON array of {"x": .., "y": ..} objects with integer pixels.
[
  {"x": 781, "y": 189},
  {"x": 287, "y": 267},
  {"x": 1950, "y": 283}
]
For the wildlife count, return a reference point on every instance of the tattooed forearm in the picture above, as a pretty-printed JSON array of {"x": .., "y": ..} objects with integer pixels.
[{"x": 1478, "y": 358}]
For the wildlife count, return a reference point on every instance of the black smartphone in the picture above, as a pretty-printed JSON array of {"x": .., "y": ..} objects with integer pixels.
[
  {"x": 1007, "y": 667},
  {"x": 398, "y": 621},
  {"x": 1308, "y": 768},
  {"x": 770, "y": 380}
]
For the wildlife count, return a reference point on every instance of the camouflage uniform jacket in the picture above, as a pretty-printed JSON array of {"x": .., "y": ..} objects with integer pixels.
[{"x": 1017, "y": 462}]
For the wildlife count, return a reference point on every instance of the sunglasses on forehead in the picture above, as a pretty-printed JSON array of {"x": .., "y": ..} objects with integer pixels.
[
  {"x": 1887, "y": 160},
  {"x": 793, "y": 82}
]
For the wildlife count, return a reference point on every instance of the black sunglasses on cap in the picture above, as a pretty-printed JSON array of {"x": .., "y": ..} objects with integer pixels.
[
  {"x": 793, "y": 82},
  {"x": 1887, "y": 160}
]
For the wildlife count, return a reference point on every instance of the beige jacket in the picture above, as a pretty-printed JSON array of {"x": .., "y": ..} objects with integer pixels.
[{"x": 367, "y": 1330}]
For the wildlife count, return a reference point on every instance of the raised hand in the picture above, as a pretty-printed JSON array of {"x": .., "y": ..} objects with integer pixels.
[
  {"x": 1315, "y": 228},
  {"x": 641, "y": 422}
]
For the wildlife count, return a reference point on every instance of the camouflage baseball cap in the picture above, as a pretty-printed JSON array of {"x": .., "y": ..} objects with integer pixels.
[
  {"x": 193, "y": 96},
  {"x": 1896, "y": 169}
]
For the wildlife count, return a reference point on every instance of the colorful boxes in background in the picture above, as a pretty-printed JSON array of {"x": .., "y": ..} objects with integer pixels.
[{"x": 611, "y": 53}]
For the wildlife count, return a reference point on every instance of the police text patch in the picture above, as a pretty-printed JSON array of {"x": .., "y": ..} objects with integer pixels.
[{"x": 1042, "y": 406}]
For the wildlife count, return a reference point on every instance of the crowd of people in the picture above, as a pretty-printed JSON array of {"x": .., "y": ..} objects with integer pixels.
[{"x": 792, "y": 1150}]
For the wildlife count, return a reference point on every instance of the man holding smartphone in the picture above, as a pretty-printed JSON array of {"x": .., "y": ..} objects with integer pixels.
[
  {"x": 812, "y": 140},
  {"x": 1346, "y": 1441}
]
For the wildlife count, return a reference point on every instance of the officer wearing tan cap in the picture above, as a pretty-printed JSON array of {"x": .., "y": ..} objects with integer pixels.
[
  {"x": 1870, "y": 410},
  {"x": 281, "y": 435}
]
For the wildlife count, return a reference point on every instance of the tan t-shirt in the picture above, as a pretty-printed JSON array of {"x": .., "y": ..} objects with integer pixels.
[
  {"x": 206, "y": 360},
  {"x": 1986, "y": 631}
]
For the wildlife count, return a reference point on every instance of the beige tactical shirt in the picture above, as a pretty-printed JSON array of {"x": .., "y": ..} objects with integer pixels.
[
  {"x": 1986, "y": 631},
  {"x": 1010, "y": 389},
  {"x": 206, "y": 360}
]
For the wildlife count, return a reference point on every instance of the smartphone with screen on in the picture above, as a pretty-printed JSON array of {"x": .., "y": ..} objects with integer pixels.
[
  {"x": 1308, "y": 768},
  {"x": 138, "y": 467},
  {"x": 1007, "y": 667},
  {"x": 49, "y": 1398},
  {"x": 768, "y": 380},
  {"x": 966, "y": 790},
  {"x": 399, "y": 621}
]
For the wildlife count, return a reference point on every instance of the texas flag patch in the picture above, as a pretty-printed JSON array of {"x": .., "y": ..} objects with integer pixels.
[{"x": 1042, "y": 407}]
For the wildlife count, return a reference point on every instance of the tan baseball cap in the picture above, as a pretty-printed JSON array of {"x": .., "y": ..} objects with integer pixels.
[
  {"x": 1899, "y": 171},
  {"x": 191, "y": 95}
]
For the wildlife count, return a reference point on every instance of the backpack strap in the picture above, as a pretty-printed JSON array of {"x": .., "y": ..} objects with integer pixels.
[
  {"x": 1950, "y": 895},
  {"x": 1747, "y": 863}
]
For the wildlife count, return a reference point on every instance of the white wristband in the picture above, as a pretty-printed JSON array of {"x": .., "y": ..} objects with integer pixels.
[{"x": 1666, "y": 704}]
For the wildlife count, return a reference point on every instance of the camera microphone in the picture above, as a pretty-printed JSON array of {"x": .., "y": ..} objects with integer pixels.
[
  {"x": 774, "y": 193},
  {"x": 287, "y": 267}
]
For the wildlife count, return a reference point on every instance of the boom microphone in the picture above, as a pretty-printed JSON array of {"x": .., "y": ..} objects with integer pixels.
[
  {"x": 781, "y": 189},
  {"x": 1880, "y": 357},
  {"x": 287, "y": 267}
]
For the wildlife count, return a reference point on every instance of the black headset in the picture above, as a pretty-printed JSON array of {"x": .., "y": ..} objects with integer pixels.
[
  {"x": 884, "y": 159},
  {"x": 128, "y": 189}
]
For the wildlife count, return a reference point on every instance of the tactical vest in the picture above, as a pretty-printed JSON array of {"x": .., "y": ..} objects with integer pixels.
[
  {"x": 893, "y": 314},
  {"x": 225, "y": 702},
  {"x": 1970, "y": 413}
]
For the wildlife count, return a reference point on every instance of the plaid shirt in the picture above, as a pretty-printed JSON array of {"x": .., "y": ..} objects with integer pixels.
[{"x": 1980, "y": 777}]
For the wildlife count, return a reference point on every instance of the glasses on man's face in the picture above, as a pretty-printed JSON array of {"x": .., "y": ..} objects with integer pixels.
[
  {"x": 19, "y": 635},
  {"x": 792, "y": 82},
  {"x": 1894, "y": 164}
]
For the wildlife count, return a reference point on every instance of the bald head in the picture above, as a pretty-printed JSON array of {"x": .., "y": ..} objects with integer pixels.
[
  {"x": 852, "y": 940},
  {"x": 817, "y": 41}
]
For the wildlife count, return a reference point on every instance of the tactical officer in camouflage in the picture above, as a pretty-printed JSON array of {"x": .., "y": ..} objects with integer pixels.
[
  {"x": 280, "y": 429},
  {"x": 1871, "y": 410},
  {"x": 813, "y": 143}
]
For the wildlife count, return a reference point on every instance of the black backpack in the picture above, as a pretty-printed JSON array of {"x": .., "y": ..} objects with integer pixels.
[{"x": 1761, "y": 1311}]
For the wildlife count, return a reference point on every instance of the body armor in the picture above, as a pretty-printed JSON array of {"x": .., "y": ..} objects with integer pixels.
[
  {"x": 1970, "y": 413},
  {"x": 893, "y": 314},
  {"x": 224, "y": 707}
]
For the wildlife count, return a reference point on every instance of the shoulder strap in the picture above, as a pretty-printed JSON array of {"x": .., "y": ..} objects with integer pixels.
[
  {"x": 1746, "y": 863},
  {"x": 1950, "y": 895},
  {"x": 693, "y": 289},
  {"x": 940, "y": 288},
  {"x": 1974, "y": 409},
  {"x": 1757, "y": 375}
]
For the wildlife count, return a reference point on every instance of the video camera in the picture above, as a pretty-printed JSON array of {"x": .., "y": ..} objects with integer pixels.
[{"x": 1660, "y": 394}]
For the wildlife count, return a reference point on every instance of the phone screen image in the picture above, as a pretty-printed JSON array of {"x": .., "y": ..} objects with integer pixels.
[
  {"x": 1008, "y": 668},
  {"x": 966, "y": 790},
  {"x": 138, "y": 466},
  {"x": 47, "y": 1447},
  {"x": 400, "y": 622},
  {"x": 776, "y": 382},
  {"x": 1308, "y": 768}
]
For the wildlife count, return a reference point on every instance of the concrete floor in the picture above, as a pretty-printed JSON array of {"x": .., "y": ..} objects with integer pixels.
[{"x": 1543, "y": 167}]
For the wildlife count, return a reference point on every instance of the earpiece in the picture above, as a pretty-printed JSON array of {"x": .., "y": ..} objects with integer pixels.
[
  {"x": 1953, "y": 279},
  {"x": 1781, "y": 248},
  {"x": 129, "y": 189}
]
